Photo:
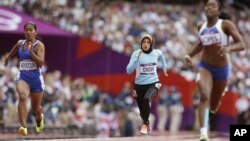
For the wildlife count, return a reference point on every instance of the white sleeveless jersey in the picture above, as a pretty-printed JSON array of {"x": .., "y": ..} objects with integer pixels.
[{"x": 213, "y": 35}]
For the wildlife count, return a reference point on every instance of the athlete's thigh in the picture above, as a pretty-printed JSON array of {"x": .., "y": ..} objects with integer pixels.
[
  {"x": 205, "y": 82},
  {"x": 139, "y": 91},
  {"x": 151, "y": 92},
  {"x": 22, "y": 87},
  {"x": 218, "y": 88}
]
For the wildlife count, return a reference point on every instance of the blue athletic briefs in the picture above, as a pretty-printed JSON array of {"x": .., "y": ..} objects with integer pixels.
[{"x": 218, "y": 73}]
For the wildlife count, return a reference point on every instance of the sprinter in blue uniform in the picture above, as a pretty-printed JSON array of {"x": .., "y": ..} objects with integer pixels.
[
  {"x": 29, "y": 81},
  {"x": 213, "y": 69},
  {"x": 147, "y": 84}
]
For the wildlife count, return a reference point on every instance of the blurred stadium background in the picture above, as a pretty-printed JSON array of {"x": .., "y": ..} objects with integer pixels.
[{"x": 88, "y": 45}]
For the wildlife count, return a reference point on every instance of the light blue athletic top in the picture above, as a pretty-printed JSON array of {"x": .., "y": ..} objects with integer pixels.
[{"x": 146, "y": 66}]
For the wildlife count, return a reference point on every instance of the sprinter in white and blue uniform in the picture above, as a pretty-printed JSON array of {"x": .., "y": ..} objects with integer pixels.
[
  {"x": 30, "y": 81},
  {"x": 147, "y": 83},
  {"x": 213, "y": 69}
]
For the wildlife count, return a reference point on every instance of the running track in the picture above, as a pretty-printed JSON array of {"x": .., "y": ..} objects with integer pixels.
[{"x": 180, "y": 136}]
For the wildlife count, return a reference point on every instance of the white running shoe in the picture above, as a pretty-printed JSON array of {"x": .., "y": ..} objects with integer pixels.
[{"x": 145, "y": 129}]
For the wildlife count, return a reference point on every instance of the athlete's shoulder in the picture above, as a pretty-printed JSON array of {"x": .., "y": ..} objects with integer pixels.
[
  {"x": 136, "y": 52},
  {"x": 158, "y": 51},
  {"x": 226, "y": 23},
  {"x": 39, "y": 43},
  {"x": 201, "y": 24},
  {"x": 20, "y": 42}
]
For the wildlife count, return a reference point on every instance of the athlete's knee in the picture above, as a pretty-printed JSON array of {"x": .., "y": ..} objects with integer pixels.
[
  {"x": 204, "y": 91},
  {"x": 22, "y": 97},
  {"x": 204, "y": 95},
  {"x": 146, "y": 98},
  {"x": 204, "y": 98},
  {"x": 150, "y": 93}
]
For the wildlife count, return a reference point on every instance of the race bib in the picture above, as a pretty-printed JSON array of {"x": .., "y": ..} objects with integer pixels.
[
  {"x": 148, "y": 68},
  {"x": 210, "y": 39},
  {"x": 27, "y": 65}
]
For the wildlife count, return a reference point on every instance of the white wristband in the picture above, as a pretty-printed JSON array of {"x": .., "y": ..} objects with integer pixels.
[{"x": 187, "y": 56}]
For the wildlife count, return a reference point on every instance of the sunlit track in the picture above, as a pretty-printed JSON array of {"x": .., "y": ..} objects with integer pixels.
[{"x": 180, "y": 136}]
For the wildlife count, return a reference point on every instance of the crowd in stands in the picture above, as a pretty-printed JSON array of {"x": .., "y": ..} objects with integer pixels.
[
  {"x": 118, "y": 25},
  {"x": 79, "y": 104}
]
